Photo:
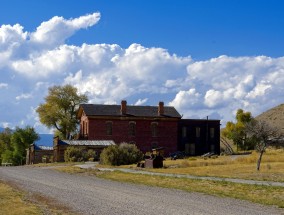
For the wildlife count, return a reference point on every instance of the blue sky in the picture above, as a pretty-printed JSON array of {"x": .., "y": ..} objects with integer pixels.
[{"x": 206, "y": 58}]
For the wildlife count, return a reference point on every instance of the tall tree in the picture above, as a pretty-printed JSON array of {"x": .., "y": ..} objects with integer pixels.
[
  {"x": 60, "y": 109},
  {"x": 237, "y": 132},
  {"x": 263, "y": 135},
  {"x": 21, "y": 139},
  {"x": 5, "y": 144}
]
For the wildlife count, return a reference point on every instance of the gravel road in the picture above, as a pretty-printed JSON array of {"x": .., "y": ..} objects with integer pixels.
[{"x": 91, "y": 195}]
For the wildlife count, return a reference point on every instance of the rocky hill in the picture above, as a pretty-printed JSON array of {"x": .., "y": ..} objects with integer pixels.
[{"x": 274, "y": 116}]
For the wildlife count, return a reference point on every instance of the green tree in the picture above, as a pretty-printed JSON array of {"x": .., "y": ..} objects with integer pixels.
[
  {"x": 60, "y": 109},
  {"x": 237, "y": 132},
  {"x": 5, "y": 143},
  {"x": 21, "y": 139}
]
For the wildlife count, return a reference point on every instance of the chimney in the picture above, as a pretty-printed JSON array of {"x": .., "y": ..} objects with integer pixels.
[
  {"x": 123, "y": 107},
  {"x": 161, "y": 110}
]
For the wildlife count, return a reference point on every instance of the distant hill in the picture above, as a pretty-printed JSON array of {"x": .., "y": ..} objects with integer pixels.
[
  {"x": 1, "y": 129},
  {"x": 274, "y": 117},
  {"x": 45, "y": 140}
]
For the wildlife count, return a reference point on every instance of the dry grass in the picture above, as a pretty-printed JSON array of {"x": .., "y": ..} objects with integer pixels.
[
  {"x": 272, "y": 166},
  {"x": 254, "y": 193},
  {"x": 12, "y": 202}
]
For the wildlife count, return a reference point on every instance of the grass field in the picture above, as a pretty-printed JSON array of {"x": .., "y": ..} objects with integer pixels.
[
  {"x": 254, "y": 193},
  {"x": 242, "y": 166},
  {"x": 16, "y": 202},
  {"x": 13, "y": 202}
]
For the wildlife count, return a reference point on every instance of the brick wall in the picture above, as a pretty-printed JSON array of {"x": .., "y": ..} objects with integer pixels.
[{"x": 166, "y": 133}]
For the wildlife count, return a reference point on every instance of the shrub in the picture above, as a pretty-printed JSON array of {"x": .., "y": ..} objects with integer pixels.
[
  {"x": 74, "y": 154},
  {"x": 92, "y": 155},
  {"x": 122, "y": 154}
]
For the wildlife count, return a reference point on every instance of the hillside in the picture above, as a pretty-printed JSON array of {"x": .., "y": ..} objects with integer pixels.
[{"x": 274, "y": 116}]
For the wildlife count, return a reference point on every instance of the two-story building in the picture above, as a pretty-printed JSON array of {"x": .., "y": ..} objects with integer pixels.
[
  {"x": 146, "y": 126},
  {"x": 149, "y": 127}
]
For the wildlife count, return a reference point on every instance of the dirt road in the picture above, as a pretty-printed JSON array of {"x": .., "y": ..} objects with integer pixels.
[{"x": 91, "y": 195}]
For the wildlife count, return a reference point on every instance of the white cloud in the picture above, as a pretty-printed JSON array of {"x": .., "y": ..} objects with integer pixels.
[
  {"x": 228, "y": 83},
  {"x": 24, "y": 96},
  {"x": 141, "y": 101},
  {"x": 107, "y": 73},
  {"x": 55, "y": 31},
  {"x": 3, "y": 85}
]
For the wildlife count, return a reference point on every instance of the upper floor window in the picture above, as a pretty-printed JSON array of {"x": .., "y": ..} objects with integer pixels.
[
  {"x": 154, "y": 129},
  {"x": 197, "y": 131},
  {"x": 108, "y": 128},
  {"x": 132, "y": 128},
  {"x": 212, "y": 132},
  {"x": 184, "y": 131}
]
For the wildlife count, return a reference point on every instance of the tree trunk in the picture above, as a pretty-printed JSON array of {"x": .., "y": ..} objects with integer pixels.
[{"x": 259, "y": 160}]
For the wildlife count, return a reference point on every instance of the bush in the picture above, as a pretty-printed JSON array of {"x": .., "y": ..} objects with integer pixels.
[
  {"x": 75, "y": 154},
  {"x": 122, "y": 154},
  {"x": 92, "y": 155}
]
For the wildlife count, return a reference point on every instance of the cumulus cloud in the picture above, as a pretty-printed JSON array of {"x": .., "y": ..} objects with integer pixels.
[
  {"x": 228, "y": 83},
  {"x": 55, "y": 31},
  {"x": 107, "y": 73}
]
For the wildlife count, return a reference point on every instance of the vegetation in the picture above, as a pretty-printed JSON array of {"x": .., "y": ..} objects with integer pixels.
[
  {"x": 237, "y": 131},
  {"x": 75, "y": 154},
  {"x": 13, "y": 145},
  {"x": 223, "y": 166},
  {"x": 12, "y": 202},
  {"x": 60, "y": 109},
  {"x": 236, "y": 166},
  {"x": 260, "y": 194},
  {"x": 263, "y": 135},
  {"x": 122, "y": 154}
]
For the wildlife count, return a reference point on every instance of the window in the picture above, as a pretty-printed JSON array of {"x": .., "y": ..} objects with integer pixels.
[
  {"x": 154, "y": 129},
  {"x": 197, "y": 131},
  {"x": 108, "y": 128},
  {"x": 132, "y": 128},
  {"x": 212, "y": 132},
  {"x": 184, "y": 130}
]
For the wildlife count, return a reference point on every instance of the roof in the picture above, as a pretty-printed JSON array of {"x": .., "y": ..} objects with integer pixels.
[
  {"x": 132, "y": 111},
  {"x": 87, "y": 142},
  {"x": 43, "y": 147}
]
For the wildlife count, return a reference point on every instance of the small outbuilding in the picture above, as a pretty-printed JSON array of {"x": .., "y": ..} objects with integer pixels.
[{"x": 38, "y": 154}]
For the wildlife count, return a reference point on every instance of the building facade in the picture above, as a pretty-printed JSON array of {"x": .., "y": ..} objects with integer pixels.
[
  {"x": 149, "y": 127},
  {"x": 199, "y": 136},
  {"x": 36, "y": 154}
]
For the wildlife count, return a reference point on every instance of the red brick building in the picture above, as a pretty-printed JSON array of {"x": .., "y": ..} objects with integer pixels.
[{"x": 146, "y": 126}]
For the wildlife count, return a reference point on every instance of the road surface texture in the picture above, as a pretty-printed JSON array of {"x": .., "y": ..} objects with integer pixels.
[{"x": 91, "y": 195}]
